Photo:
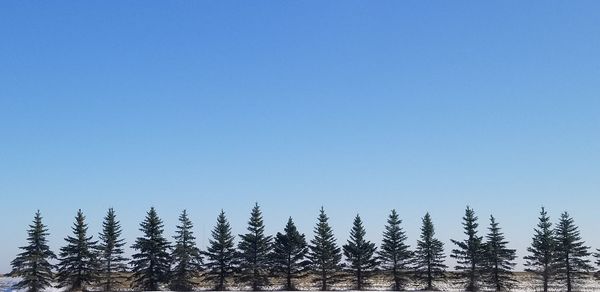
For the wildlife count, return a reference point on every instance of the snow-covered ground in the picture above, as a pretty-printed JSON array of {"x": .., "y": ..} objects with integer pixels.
[
  {"x": 525, "y": 285},
  {"x": 6, "y": 284}
]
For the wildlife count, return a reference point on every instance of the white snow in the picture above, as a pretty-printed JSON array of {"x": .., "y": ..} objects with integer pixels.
[{"x": 525, "y": 285}]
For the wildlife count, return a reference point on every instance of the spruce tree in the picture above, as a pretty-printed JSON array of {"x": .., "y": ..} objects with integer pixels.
[
  {"x": 324, "y": 254},
  {"x": 112, "y": 262},
  {"x": 220, "y": 254},
  {"x": 360, "y": 254},
  {"x": 254, "y": 248},
  {"x": 289, "y": 254},
  {"x": 499, "y": 259},
  {"x": 429, "y": 255},
  {"x": 78, "y": 266},
  {"x": 186, "y": 257},
  {"x": 32, "y": 265},
  {"x": 394, "y": 253},
  {"x": 470, "y": 253},
  {"x": 572, "y": 263},
  {"x": 151, "y": 263},
  {"x": 542, "y": 251}
]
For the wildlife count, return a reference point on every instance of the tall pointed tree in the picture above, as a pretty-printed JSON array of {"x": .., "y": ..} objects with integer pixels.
[
  {"x": 113, "y": 264},
  {"x": 186, "y": 257},
  {"x": 324, "y": 254},
  {"x": 499, "y": 259},
  {"x": 254, "y": 248},
  {"x": 360, "y": 254},
  {"x": 151, "y": 263},
  {"x": 429, "y": 255},
  {"x": 394, "y": 253},
  {"x": 469, "y": 253},
  {"x": 289, "y": 255},
  {"x": 32, "y": 265},
  {"x": 220, "y": 254},
  {"x": 78, "y": 264},
  {"x": 572, "y": 263},
  {"x": 542, "y": 251}
]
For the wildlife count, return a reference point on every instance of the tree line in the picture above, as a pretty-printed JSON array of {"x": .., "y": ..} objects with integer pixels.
[{"x": 557, "y": 256}]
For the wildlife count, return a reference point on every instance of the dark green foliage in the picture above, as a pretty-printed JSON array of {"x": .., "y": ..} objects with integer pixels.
[
  {"x": 254, "y": 250},
  {"x": 499, "y": 259},
  {"x": 151, "y": 263},
  {"x": 78, "y": 266},
  {"x": 429, "y": 255},
  {"x": 186, "y": 257},
  {"x": 470, "y": 253},
  {"x": 289, "y": 255},
  {"x": 32, "y": 265},
  {"x": 394, "y": 253},
  {"x": 572, "y": 263},
  {"x": 324, "y": 254},
  {"x": 112, "y": 262},
  {"x": 360, "y": 254},
  {"x": 220, "y": 254},
  {"x": 542, "y": 251}
]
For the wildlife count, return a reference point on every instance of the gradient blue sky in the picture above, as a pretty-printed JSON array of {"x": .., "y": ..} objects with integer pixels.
[{"x": 357, "y": 106}]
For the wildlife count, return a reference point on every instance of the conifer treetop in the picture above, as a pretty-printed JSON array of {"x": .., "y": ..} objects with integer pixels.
[{"x": 32, "y": 265}]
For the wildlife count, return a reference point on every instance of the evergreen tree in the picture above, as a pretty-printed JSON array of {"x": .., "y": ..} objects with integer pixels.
[
  {"x": 289, "y": 254},
  {"x": 499, "y": 259},
  {"x": 220, "y": 254},
  {"x": 112, "y": 262},
  {"x": 470, "y": 252},
  {"x": 394, "y": 253},
  {"x": 572, "y": 263},
  {"x": 254, "y": 248},
  {"x": 186, "y": 256},
  {"x": 32, "y": 265},
  {"x": 78, "y": 264},
  {"x": 429, "y": 255},
  {"x": 324, "y": 254},
  {"x": 360, "y": 253},
  {"x": 151, "y": 263},
  {"x": 542, "y": 251}
]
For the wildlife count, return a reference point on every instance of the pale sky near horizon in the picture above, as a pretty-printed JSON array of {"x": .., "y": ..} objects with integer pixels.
[{"x": 356, "y": 106}]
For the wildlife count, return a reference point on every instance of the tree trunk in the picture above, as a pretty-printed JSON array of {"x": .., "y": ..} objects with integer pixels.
[
  {"x": 569, "y": 288},
  {"x": 429, "y": 277},
  {"x": 545, "y": 278},
  {"x": 289, "y": 273},
  {"x": 359, "y": 279},
  {"x": 396, "y": 279}
]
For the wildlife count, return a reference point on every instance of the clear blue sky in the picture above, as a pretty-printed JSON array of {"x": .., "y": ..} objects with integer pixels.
[{"x": 357, "y": 106}]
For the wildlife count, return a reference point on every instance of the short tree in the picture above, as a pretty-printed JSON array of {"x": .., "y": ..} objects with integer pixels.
[
  {"x": 542, "y": 251},
  {"x": 324, "y": 254},
  {"x": 220, "y": 254},
  {"x": 360, "y": 254},
  {"x": 254, "y": 250},
  {"x": 289, "y": 255},
  {"x": 32, "y": 265},
  {"x": 572, "y": 263},
  {"x": 151, "y": 263},
  {"x": 78, "y": 266},
  {"x": 429, "y": 255},
  {"x": 186, "y": 257},
  {"x": 394, "y": 253},
  {"x": 499, "y": 259},
  {"x": 110, "y": 250},
  {"x": 470, "y": 252}
]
